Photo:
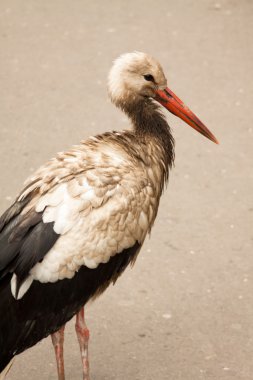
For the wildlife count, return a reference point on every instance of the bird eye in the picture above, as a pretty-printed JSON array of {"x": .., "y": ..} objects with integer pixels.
[{"x": 149, "y": 78}]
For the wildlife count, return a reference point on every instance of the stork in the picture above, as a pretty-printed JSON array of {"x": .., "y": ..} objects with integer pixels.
[{"x": 82, "y": 218}]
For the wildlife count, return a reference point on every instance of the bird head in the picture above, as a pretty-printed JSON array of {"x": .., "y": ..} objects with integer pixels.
[{"x": 137, "y": 76}]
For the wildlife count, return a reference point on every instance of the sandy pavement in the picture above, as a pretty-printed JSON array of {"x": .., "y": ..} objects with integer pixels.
[{"x": 185, "y": 311}]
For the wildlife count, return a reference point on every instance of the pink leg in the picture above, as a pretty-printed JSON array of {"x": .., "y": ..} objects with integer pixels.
[
  {"x": 83, "y": 334},
  {"x": 58, "y": 339}
]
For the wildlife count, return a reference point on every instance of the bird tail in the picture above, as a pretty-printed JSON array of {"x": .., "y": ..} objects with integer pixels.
[{"x": 6, "y": 370}]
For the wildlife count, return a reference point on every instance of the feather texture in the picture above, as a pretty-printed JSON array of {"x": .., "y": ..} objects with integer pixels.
[{"x": 82, "y": 208}]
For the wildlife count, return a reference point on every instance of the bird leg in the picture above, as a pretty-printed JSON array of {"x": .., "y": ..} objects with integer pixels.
[
  {"x": 83, "y": 334},
  {"x": 58, "y": 339}
]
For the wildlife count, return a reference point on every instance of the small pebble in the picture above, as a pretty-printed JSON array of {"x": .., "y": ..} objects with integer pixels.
[{"x": 166, "y": 316}]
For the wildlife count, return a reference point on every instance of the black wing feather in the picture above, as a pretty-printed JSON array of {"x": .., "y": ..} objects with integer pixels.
[
  {"x": 12, "y": 211},
  {"x": 24, "y": 240},
  {"x": 35, "y": 246}
]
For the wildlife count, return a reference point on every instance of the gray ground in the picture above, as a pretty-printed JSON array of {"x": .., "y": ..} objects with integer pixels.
[{"x": 185, "y": 311}]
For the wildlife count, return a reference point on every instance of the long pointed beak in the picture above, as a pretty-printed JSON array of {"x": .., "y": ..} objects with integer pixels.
[{"x": 170, "y": 101}]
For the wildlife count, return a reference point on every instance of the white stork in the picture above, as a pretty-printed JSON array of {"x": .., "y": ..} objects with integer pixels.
[{"x": 82, "y": 218}]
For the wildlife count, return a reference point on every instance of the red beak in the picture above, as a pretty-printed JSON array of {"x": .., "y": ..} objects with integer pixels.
[{"x": 170, "y": 101}]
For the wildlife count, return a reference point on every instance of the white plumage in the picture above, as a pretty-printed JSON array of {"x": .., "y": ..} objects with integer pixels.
[{"x": 103, "y": 210}]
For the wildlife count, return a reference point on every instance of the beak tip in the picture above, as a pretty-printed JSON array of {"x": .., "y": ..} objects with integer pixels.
[{"x": 215, "y": 140}]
